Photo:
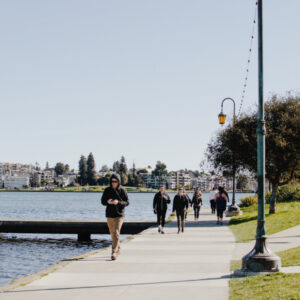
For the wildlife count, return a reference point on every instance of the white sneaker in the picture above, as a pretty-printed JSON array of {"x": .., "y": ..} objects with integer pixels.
[
  {"x": 159, "y": 229},
  {"x": 162, "y": 231}
]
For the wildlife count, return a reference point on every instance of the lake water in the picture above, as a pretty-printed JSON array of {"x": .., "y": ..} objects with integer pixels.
[{"x": 23, "y": 254}]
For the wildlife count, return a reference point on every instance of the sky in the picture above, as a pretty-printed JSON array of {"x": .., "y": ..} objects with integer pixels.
[{"x": 143, "y": 79}]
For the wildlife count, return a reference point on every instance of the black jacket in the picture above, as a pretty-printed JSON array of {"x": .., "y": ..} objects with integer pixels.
[
  {"x": 120, "y": 194},
  {"x": 180, "y": 203},
  {"x": 196, "y": 201},
  {"x": 161, "y": 201}
]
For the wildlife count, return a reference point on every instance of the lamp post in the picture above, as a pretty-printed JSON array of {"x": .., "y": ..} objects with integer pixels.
[
  {"x": 260, "y": 258},
  {"x": 233, "y": 209}
]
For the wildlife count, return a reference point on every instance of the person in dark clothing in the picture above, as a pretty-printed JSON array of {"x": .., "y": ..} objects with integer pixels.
[
  {"x": 115, "y": 199},
  {"x": 221, "y": 201},
  {"x": 160, "y": 206},
  {"x": 197, "y": 203},
  {"x": 212, "y": 196},
  {"x": 189, "y": 201},
  {"x": 180, "y": 205},
  {"x": 213, "y": 206}
]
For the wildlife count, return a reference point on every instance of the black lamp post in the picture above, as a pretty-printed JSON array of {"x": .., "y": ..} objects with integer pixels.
[{"x": 233, "y": 209}]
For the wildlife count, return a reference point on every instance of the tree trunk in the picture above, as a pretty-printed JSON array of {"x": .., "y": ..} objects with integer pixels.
[{"x": 273, "y": 199}]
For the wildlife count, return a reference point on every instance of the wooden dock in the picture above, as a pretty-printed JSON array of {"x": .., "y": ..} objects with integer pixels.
[{"x": 82, "y": 228}]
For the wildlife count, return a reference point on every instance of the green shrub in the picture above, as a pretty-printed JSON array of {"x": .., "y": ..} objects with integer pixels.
[
  {"x": 286, "y": 193},
  {"x": 248, "y": 201}
]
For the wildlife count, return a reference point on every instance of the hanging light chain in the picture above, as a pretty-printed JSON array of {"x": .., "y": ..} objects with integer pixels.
[{"x": 249, "y": 60}]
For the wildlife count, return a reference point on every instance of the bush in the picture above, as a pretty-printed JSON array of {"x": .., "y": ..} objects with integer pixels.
[
  {"x": 286, "y": 193},
  {"x": 248, "y": 201}
]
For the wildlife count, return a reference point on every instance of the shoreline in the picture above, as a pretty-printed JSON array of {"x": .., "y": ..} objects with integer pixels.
[
  {"x": 27, "y": 279},
  {"x": 133, "y": 192}
]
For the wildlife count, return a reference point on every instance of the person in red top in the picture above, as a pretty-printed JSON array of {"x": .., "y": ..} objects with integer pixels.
[{"x": 221, "y": 201}]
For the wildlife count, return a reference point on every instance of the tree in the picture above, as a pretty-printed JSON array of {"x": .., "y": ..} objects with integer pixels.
[
  {"x": 105, "y": 180},
  {"x": 160, "y": 171},
  {"x": 82, "y": 170},
  {"x": 241, "y": 182},
  {"x": 282, "y": 116},
  {"x": 142, "y": 171},
  {"x": 123, "y": 166},
  {"x": 124, "y": 179},
  {"x": 59, "y": 168},
  {"x": 66, "y": 168},
  {"x": 104, "y": 168},
  {"x": 116, "y": 167},
  {"x": 91, "y": 172}
]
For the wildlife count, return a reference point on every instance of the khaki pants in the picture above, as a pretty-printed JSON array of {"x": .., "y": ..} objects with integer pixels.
[{"x": 114, "y": 225}]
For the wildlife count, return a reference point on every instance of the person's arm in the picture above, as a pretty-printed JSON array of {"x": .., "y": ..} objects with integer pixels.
[
  {"x": 168, "y": 199},
  {"x": 226, "y": 197},
  {"x": 105, "y": 198},
  {"x": 154, "y": 201},
  {"x": 186, "y": 203},
  {"x": 124, "y": 201},
  {"x": 174, "y": 204}
]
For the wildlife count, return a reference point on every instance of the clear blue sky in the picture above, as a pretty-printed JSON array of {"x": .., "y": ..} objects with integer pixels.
[{"x": 143, "y": 79}]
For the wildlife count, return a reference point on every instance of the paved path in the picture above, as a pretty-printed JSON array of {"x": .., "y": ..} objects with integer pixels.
[{"x": 151, "y": 266}]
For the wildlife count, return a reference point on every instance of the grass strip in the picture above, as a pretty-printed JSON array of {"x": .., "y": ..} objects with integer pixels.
[
  {"x": 290, "y": 257},
  {"x": 244, "y": 226},
  {"x": 262, "y": 287}
]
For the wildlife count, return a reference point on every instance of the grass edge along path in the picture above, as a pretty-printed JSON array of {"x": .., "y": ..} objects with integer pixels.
[
  {"x": 271, "y": 286},
  {"x": 244, "y": 226},
  {"x": 290, "y": 257}
]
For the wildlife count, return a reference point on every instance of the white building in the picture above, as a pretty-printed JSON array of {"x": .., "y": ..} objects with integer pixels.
[
  {"x": 66, "y": 180},
  {"x": 1, "y": 175},
  {"x": 14, "y": 182}
]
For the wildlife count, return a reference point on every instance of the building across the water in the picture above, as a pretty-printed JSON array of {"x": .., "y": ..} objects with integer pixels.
[{"x": 16, "y": 182}]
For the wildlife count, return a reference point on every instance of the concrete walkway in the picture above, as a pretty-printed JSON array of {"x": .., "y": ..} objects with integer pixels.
[{"x": 151, "y": 266}]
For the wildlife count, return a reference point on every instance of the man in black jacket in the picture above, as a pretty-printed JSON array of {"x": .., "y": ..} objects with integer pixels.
[
  {"x": 160, "y": 206},
  {"x": 180, "y": 204},
  {"x": 115, "y": 199}
]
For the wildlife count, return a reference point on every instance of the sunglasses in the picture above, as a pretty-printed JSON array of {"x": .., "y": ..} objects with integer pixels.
[{"x": 114, "y": 181}]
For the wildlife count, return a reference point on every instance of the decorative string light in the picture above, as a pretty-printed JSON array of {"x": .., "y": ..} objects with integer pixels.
[{"x": 249, "y": 60}]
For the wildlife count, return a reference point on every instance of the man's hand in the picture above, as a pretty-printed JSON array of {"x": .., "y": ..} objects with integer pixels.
[{"x": 112, "y": 202}]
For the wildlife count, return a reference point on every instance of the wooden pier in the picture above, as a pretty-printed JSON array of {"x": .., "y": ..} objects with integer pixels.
[{"x": 82, "y": 228}]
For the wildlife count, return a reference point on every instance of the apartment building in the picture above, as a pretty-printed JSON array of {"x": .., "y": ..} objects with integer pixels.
[{"x": 16, "y": 182}]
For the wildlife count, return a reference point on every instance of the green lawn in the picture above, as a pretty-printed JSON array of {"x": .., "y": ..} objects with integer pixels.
[
  {"x": 262, "y": 287},
  {"x": 244, "y": 226},
  {"x": 290, "y": 257}
]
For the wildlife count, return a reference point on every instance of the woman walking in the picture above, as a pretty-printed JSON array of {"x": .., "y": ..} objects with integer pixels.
[
  {"x": 197, "y": 203},
  {"x": 160, "y": 206},
  {"x": 221, "y": 201},
  {"x": 115, "y": 199},
  {"x": 180, "y": 205}
]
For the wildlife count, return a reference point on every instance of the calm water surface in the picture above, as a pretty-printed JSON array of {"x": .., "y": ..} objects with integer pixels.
[{"x": 23, "y": 254}]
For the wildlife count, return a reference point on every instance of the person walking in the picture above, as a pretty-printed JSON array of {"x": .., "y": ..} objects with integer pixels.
[
  {"x": 180, "y": 205},
  {"x": 189, "y": 202},
  {"x": 212, "y": 200},
  {"x": 221, "y": 201},
  {"x": 197, "y": 203},
  {"x": 115, "y": 199},
  {"x": 160, "y": 206}
]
